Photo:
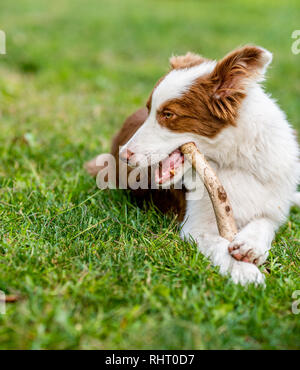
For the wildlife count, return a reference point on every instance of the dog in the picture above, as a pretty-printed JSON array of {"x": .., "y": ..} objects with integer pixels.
[{"x": 244, "y": 135}]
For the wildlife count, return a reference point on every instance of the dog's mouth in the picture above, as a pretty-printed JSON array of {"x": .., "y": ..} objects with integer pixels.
[{"x": 168, "y": 167}]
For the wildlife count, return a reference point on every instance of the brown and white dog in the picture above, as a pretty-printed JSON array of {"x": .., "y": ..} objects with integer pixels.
[{"x": 222, "y": 108}]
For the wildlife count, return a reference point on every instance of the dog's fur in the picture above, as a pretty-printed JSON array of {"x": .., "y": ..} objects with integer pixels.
[{"x": 244, "y": 135}]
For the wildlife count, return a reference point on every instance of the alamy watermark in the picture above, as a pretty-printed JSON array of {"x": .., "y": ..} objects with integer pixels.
[
  {"x": 296, "y": 303},
  {"x": 296, "y": 44},
  {"x": 2, "y": 42},
  {"x": 2, "y": 303},
  {"x": 148, "y": 172}
]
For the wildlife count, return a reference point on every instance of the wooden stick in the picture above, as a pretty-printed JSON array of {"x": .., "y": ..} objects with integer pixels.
[
  {"x": 222, "y": 208},
  {"x": 10, "y": 299}
]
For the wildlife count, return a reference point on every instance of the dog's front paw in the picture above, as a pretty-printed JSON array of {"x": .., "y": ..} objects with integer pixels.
[
  {"x": 246, "y": 273},
  {"x": 248, "y": 249}
]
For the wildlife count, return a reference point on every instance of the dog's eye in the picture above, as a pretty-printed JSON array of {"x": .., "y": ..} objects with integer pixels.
[{"x": 168, "y": 115}]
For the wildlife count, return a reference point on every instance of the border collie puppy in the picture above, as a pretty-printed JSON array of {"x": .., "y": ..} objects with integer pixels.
[{"x": 244, "y": 135}]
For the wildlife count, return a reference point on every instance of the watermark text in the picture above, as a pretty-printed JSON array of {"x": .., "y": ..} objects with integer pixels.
[
  {"x": 296, "y": 303},
  {"x": 296, "y": 44},
  {"x": 2, "y": 42},
  {"x": 2, "y": 303}
]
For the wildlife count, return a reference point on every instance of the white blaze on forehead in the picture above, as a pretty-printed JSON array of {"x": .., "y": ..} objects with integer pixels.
[
  {"x": 151, "y": 137},
  {"x": 178, "y": 82}
]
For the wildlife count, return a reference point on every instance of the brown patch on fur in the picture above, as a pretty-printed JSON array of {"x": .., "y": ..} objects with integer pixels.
[
  {"x": 227, "y": 83},
  {"x": 190, "y": 114},
  {"x": 186, "y": 61},
  {"x": 212, "y": 102},
  {"x": 178, "y": 62},
  {"x": 129, "y": 128}
]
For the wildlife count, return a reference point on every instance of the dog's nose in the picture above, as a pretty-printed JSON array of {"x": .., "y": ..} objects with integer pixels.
[{"x": 125, "y": 155}]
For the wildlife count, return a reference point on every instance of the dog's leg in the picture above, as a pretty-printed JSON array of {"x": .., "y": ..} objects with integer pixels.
[
  {"x": 216, "y": 249},
  {"x": 200, "y": 224},
  {"x": 253, "y": 242},
  {"x": 92, "y": 167}
]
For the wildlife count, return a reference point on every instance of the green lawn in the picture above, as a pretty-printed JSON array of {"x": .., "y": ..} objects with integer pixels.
[{"x": 91, "y": 269}]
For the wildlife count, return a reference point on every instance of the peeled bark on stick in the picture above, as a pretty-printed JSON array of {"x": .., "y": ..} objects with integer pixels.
[{"x": 222, "y": 208}]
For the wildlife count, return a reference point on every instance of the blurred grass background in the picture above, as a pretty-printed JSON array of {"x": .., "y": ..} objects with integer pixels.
[{"x": 91, "y": 269}]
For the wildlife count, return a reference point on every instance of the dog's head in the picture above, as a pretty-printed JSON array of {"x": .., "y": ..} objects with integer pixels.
[{"x": 197, "y": 99}]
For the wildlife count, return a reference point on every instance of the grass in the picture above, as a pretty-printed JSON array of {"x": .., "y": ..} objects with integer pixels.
[{"x": 92, "y": 270}]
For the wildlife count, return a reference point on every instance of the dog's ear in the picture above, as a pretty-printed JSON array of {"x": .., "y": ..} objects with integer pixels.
[
  {"x": 238, "y": 68},
  {"x": 229, "y": 80},
  {"x": 185, "y": 61}
]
